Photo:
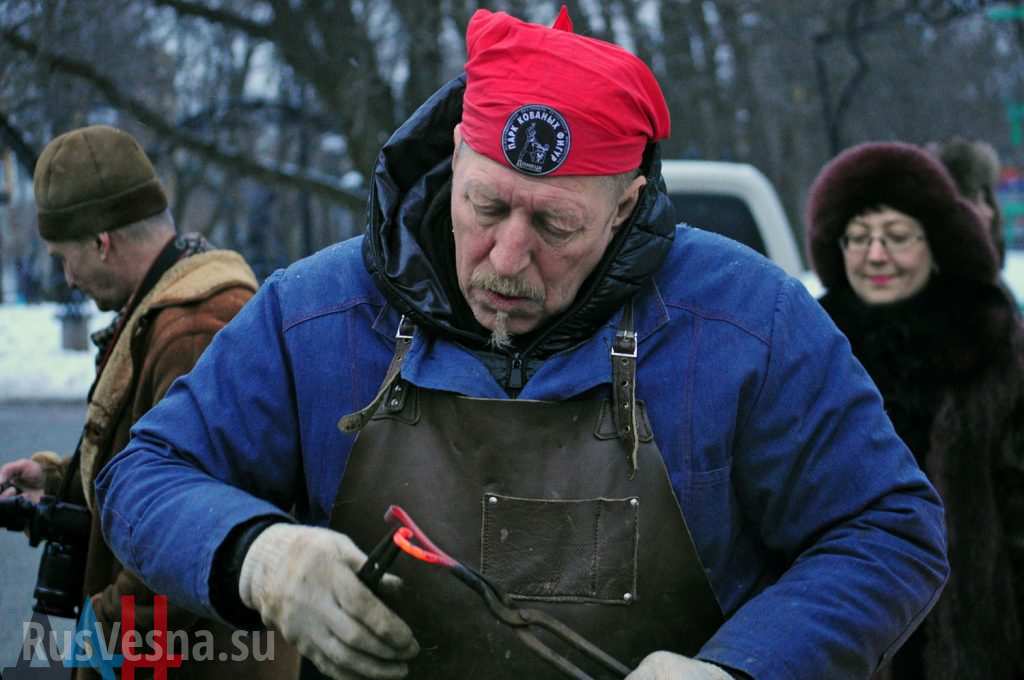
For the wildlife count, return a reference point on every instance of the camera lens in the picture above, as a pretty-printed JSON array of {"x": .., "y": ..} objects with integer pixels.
[{"x": 61, "y": 577}]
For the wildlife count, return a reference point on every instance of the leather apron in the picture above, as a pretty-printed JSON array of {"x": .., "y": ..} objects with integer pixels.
[{"x": 544, "y": 500}]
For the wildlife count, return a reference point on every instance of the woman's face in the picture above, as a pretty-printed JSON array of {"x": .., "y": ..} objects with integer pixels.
[{"x": 886, "y": 256}]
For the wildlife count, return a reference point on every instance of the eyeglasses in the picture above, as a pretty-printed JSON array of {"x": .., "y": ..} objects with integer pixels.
[{"x": 858, "y": 244}]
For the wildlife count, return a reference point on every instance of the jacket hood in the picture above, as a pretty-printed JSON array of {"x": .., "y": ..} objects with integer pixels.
[
  {"x": 199, "y": 277},
  {"x": 410, "y": 259}
]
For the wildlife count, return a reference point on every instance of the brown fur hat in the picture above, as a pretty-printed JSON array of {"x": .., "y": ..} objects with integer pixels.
[
  {"x": 906, "y": 178},
  {"x": 91, "y": 180}
]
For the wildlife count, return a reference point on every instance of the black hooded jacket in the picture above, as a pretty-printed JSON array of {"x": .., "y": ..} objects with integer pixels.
[{"x": 409, "y": 249}]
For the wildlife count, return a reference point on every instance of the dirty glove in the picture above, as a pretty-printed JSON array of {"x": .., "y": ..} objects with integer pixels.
[
  {"x": 302, "y": 581},
  {"x": 669, "y": 666}
]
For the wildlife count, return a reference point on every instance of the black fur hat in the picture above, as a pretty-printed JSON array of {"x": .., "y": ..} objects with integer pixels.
[{"x": 906, "y": 178}]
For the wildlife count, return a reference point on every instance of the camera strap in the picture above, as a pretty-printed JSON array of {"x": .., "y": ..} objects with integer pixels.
[{"x": 65, "y": 484}]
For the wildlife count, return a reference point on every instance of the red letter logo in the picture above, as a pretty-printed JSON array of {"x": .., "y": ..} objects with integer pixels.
[{"x": 160, "y": 659}]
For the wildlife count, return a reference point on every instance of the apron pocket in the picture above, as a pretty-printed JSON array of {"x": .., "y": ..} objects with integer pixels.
[{"x": 562, "y": 550}]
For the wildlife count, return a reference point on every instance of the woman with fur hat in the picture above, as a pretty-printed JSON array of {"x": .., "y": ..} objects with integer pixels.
[{"x": 911, "y": 279}]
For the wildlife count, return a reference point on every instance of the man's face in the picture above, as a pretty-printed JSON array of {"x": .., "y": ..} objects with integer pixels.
[
  {"x": 524, "y": 245},
  {"x": 86, "y": 270}
]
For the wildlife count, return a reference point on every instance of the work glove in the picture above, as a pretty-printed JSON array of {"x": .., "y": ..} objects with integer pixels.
[
  {"x": 302, "y": 581},
  {"x": 669, "y": 666}
]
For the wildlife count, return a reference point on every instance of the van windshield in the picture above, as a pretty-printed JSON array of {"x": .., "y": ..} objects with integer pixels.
[{"x": 720, "y": 213}]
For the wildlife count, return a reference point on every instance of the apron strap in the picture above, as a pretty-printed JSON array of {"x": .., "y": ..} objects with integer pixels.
[
  {"x": 623, "y": 356},
  {"x": 354, "y": 422}
]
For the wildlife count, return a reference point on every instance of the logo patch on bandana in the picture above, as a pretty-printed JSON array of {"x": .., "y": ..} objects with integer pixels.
[{"x": 536, "y": 139}]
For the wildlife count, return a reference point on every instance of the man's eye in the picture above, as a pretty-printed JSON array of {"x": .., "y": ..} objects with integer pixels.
[
  {"x": 554, "y": 232},
  {"x": 857, "y": 239},
  {"x": 489, "y": 211},
  {"x": 898, "y": 239}
]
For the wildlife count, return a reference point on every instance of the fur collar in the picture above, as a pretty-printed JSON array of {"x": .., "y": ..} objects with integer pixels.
[{"x": 943, "y": 335}]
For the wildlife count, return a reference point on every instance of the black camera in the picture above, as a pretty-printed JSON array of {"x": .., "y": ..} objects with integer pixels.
[{"x": 65, "y": 527}]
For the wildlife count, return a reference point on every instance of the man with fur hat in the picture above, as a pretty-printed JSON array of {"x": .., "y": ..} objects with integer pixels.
[
  {"x": 103, "y": 213},
  {"x": 644, "y": 430},
  {"x": 974, "y": 166}
]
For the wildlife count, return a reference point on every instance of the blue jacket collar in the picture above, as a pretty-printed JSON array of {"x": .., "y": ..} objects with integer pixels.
[{"x": 439, "y": 364}]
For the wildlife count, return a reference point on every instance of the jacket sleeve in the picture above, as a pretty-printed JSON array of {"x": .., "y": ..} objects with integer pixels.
[
  {"x": 107, "y": 606},
  {"x": 839, "y": 499},
  {"x": 173, "y": 495}
]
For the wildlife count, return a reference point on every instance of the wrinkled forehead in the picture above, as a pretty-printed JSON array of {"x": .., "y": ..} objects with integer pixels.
[{"x": 484, "y": 178}]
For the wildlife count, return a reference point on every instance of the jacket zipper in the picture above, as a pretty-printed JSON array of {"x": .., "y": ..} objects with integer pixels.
[{"x": 517, "y": 372}]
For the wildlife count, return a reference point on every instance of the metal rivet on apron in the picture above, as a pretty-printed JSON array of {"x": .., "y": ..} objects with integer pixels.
[
  {"x": 634, "y": 502},
  {"x": 398, "y": 388},
  {"x": 627, "y": 597},
  {"x": 492, "y": 500},
  {"x": 394, "y": 403}
]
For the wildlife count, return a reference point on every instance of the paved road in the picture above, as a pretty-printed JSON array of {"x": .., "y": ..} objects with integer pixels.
[{"x": 25, "y": 428}]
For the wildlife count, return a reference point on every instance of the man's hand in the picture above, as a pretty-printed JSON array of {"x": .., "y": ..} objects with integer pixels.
[
  {"x": 302, "y": 580},
  {"x": 669, "y": 666},
  {"x": 25, "y": 474}
]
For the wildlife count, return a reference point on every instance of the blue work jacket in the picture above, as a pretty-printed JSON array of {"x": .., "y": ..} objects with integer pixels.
[{"x": 822, "y": 540}]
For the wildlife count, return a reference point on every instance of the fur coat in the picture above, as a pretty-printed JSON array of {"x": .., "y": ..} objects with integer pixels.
[{"x": 949, "y": 363}]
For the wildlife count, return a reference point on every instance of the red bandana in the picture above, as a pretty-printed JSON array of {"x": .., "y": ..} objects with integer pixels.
[{"x": 546, "y": 101}]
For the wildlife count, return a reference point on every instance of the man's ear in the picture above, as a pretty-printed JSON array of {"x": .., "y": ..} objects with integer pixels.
[
  {"x": 628, "y": 200},
  {"x": 103, "y": 242}
]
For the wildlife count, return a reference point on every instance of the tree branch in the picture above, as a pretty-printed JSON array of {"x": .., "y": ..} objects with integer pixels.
[
  {"x": 25, "y": 154},
  {"x": 218, "y": 16},
  {"x": 298, "y": 178}
]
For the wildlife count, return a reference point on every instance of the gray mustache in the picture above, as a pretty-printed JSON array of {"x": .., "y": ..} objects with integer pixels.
[{"x": 508, "y": 286}]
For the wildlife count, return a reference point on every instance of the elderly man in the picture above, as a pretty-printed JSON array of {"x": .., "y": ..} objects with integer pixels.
[
  {"x": 644, "y": 430},
  {"x": 103, "y": 212}
]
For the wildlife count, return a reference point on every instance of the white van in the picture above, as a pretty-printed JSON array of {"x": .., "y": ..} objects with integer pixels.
[{"x": 738, "y": 201}]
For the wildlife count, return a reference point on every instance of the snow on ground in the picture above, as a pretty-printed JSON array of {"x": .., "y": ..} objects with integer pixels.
[{"x": 33, "y": 367}]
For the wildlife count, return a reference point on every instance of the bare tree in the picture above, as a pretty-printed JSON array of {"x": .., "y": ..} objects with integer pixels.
[{"x": 266, "y": 117}]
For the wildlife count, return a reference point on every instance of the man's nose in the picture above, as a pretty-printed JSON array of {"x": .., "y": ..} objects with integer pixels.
[{"x": 513, "y": 246}]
